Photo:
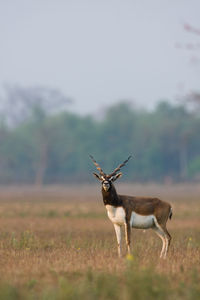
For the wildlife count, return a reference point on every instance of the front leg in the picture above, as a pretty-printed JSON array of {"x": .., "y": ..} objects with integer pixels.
[
  {"x": 118, "y": 235},
  {"x": 128, "y": 236}
]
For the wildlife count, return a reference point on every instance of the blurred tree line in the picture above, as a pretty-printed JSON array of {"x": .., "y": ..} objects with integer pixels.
[{"x": 41, "y": 142}]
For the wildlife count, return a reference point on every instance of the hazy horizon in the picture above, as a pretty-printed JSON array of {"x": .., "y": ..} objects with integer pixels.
[{"x": 101, "y": 52}]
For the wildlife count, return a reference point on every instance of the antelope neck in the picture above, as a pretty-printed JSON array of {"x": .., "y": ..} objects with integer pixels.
[{"x": 111, "y": 198}]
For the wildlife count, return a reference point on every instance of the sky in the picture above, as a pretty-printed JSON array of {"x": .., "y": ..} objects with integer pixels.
[{"x": 100, "y": 52}]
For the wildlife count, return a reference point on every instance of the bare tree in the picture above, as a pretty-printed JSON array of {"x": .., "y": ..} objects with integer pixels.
[{"x": 19, "y": 104}]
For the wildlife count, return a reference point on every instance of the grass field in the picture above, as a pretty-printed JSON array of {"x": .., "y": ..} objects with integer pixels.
[{"x": 57, "y": 243}]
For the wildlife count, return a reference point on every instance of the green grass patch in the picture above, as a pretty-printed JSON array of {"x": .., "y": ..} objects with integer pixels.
[{"x": 134, "y": 283}]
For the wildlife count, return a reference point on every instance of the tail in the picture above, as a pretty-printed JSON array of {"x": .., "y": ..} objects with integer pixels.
[{"x": 170, "y": 213}]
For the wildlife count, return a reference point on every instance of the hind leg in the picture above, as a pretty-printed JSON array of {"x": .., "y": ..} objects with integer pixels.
[
  {"x": 168, "y": 240},
  {"x": 161, "y": 234},
  {"x": 164, "y": 235}
]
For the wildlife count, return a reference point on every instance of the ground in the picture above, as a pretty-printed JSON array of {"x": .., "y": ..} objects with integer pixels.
[{"x": 57, "y": 243}]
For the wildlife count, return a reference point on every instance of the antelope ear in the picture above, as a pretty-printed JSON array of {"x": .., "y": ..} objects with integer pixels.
[
  {"x": 97, "y": 176},
  {"x": 115, "y": 177}
]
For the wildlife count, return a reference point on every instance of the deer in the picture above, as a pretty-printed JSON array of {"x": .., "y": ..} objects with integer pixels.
[{"x": 133, "y": 211}]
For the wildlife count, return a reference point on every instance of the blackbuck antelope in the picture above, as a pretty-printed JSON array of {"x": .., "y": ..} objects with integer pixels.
[{"x": 135, "y": 212}]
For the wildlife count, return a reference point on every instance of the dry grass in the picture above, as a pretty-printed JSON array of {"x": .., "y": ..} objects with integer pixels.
[{"x": 54, "y": 237}]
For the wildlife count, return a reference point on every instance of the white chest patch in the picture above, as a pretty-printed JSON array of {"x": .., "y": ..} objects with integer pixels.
[
  {"x": 141, "y": 222},
  {"x": 116, "y": 214}
]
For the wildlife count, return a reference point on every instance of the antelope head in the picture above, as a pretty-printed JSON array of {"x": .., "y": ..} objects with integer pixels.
[{"x": 107, "y": 179}]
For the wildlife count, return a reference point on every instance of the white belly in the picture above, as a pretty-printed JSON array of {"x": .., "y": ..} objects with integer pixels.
[
  {"x": 141, "y": 222},
  {"x": 116, "y": 214}
]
